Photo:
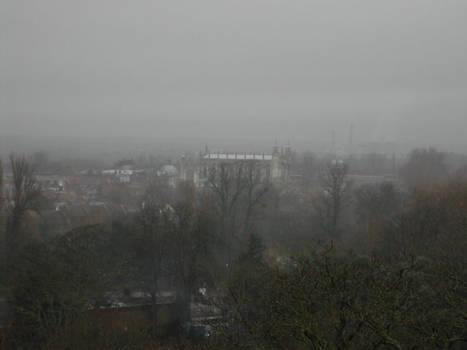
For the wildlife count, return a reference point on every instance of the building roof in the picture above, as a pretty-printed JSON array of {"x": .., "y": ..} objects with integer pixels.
[
  {"x": 238, "y": 156},
  {"x": 169, "y": 170}
]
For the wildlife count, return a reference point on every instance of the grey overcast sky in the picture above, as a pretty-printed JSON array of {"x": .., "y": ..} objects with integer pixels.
[{"x": 287, "y": 69}]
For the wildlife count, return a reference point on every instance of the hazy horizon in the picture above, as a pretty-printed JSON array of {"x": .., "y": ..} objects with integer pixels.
[{"x": 246, "y": 70}]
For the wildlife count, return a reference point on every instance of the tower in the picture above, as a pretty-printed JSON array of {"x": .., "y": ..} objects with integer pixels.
[
  {"x": 333, "y": 142},
  {"x": 275, "y": 164}
]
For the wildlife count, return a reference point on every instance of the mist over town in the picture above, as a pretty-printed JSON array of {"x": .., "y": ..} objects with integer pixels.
[{"x": 233, "y": 175}]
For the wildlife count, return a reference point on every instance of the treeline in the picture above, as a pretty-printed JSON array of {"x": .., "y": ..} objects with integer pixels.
[
  {"x": 322, "y": 265},
  {"x": 54, "y": 285},
  {"x": 409, "y": 291}
]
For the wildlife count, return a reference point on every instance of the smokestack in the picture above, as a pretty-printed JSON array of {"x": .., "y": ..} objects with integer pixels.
[{"x": 333, "y": 142}]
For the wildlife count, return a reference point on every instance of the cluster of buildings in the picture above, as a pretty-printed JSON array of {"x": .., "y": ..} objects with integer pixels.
[
  {"x": 86, "y": 197},
  {"x": 93, "y": 196},
  {"x": 273, "y": 167}
]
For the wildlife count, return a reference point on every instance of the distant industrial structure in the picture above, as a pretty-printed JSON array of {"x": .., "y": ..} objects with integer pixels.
[{"x": 274, "y": 167}]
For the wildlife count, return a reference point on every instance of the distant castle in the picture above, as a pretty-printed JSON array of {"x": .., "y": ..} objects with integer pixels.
[{"x": 273, "y": 167}]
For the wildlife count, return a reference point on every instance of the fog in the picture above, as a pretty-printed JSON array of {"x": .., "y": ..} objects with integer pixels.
[
  {"x": 249, "y": 174},
  {"x": 255, "y": 70}
]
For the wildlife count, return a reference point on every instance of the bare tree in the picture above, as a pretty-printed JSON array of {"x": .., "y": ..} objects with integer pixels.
[
  {"x": 227, "y": 182},
  {"x": 151, "y": 244},
  {"x": 238, "y": 189},
  {"x": 376, "y": 202},
  {"x": 189, "y": 242},
  {"x": 25, "y": 192},
  {"x": 329, "y": 203},
  {"x": 307, "y": 166},
  {"x": 424, "y": 167},
  {"x": 257, "y": 186}
]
